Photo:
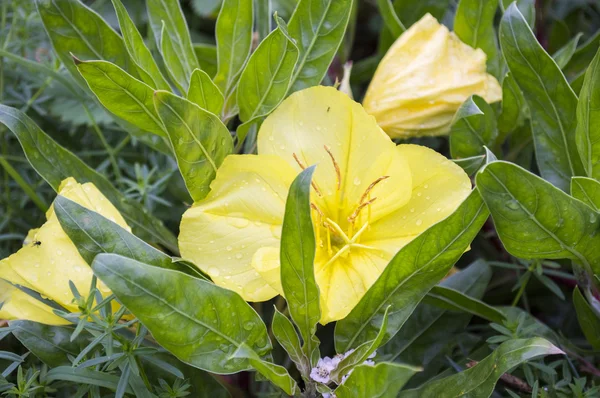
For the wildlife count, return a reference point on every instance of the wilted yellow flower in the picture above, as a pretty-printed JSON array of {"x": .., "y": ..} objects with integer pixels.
[
  {"x": 369, "y": 198},
  {"x": 424, "y": 78},
  {"x": 48, "y": 260}
]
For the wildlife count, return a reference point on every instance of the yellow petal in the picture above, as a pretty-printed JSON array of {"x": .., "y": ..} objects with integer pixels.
[
  {"x": 439, "y": 186},
  {"x": 424, "y": 78},
  {"x": 242, "y": 213},
  {"x": 49, "y": 260},
  {"x": 266, "y": 262},
  {"x": 19, "y": 305},
  {"x": 318, "y": 117}
]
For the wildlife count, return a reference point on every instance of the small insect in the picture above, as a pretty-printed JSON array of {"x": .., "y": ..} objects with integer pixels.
[
  {"x": 37, "y": 243},
  {"x": 328, "y": 108}
]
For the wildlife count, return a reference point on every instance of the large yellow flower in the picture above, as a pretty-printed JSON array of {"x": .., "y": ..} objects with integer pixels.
[
  {"x": 48, "y": 260},
  {"x": 424, "y": 78},
  {"x": 369, "y": 198}
]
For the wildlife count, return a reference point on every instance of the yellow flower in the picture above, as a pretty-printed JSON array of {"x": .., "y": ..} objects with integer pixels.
[
  {"x": 48, "y": 260},
  {"x": 369, "y": 198},
  {"x": 424, "y": 78}
]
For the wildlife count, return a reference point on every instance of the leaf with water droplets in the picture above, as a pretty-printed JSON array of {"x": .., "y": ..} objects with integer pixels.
[{"x": 587, "y": 190}]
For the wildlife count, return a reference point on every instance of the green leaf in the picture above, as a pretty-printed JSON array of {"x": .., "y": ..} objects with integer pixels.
[
  {"x": 84, "y": 376},
  {"x": 318, "y": 26},
  {"x": 172, "y": 34},
  {"x": 122, "y": 94},
  {"x": 513, "y": 106},
  {"x": 526, "y": 7},
  {"x": 415, "y": 269},
  {"x": 383, "y": 380},
  {"x": 588, "y": 119},
  {"x": 587, "y": 190},
  {"x": 204, "y": 93},
  {"x": 479, "y": 381},
  {"x": 200, "y": 140},
  {"x": 136, "y": 48},
  {"x": 278, "y": 375},
  {"x": 564, "y": 54},
  {"x": 473, "y": 128},
  {"x": 474, "y": 25},
  {"x": 536, "y": 220},
  {"x": 198, "y": 322},
  {"x": 234, "y": 41},
  {"x": 266, "y": 79},
  {"x": 93, "y": 234},
  {"x": 76, "y": 29},
  {"x": 297, "y": 263},
  {"x": 51, "y": 344},
  {"x": 455, "y": 300},
  {"x": 286, "y": 335},
  {"x": 551, "y": 100},
  {"x": 582, "y": 57},
  {"x": 588, "y": 319},
  {"x": 207, "y": 58},
  {"x": 54, "y": 163},
  {"x": 471, "y": 164},
  {"x": 361, "y": 353},
  {"x": 410, "y": 11},
  {"x": 390, "y": 18}
]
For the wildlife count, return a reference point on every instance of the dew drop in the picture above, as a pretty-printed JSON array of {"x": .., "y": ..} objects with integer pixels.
[
  {"x": 248, "y": 325},
  {"x": 439, "y": 209},
  {"x": 512, "y": 204},
  {"x": 229, "y": 248},
  {"x": 318, "y": 128},
  {"x": 282, "y": 147},
  {"x": 227, "y": 277},
  {"x": 419, "y": 222},
  {"x": 238, "y": 256},
  {"x": 300, "y": 124},
  {"x": 77, "y": 268},
  {"x": 356, "y": 181},
  {"x": 59, "y": 252},
  {"x": 425, "y": 186},
  {"x": 212, "y": 271},
  {"x": 428, "y": 197},
  {"x": 412, "y": 210},
  {"x": 36, "y": 265},
  {"x": 593, "y": 218},
  {"x": 271, "y": 138},
  {"x": 419, "y": 194}
]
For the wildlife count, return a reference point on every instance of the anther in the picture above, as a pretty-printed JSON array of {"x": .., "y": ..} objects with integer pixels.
[
  {"x": 358, "y": 209},
  {"x": 303, "y": 166},
  {"x": 338, "y": 173},
  {"x": 370, "y": 187}
]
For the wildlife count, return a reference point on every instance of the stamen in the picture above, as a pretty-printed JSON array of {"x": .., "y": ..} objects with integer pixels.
[
  {"x": 337, "y": 229},
  {"x": 370, "y": 187},
  {"x": 303, "y": 166},
  {"x": 339, "y": 253},
  {"x": 358, "y": 209},
  {"x": 338, "y": 173},
  {"x": 318, "y": 229},
  {"x": 329, "y": 251}
]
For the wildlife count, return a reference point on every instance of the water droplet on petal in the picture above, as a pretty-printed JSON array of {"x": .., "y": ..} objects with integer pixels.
[
  {"x": 212, "y": 271},
  {"x": 419, "y": 222},
  {"x": 229, "y": 248},
  {"x": 356, "y": 181},
  {"x": 238, "y": 256},
  {"x": 512, "y": 204}
]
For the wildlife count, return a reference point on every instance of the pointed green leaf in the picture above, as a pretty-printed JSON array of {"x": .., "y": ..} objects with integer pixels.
[
  {"x": 513, "y": 106},
  {"x": 204, "y": 93},
  {"x": 84, "y": 376},
  {"x": 318, "y": 26},
  {"x": 454, "y": 300},
  {"x": 198, "y": 322},
  {"x": 480, "y": 380},
  {"x": 474, "y": 127},
  {"x": 175, "y": 67},
  {"x": 383, "y": 380},
  {"x": 297, "y": 263},
  {"x": 551, "y": 100},
  {"x": 200, "y": 140},
  {"x": 410, "y": 11},
  {"x": 471, "y": 164},
  {"x": 415, "y": 269},
  {"x": 390, "y": 18},
  {"x": 122, "y": 94},
  {"x": 265, "y": 80},
  {"x": 582, "y": 57},
  {"x": 564, "y": 54},
  {"x": 286, "y": 335},
  {"x": 140, "y": 54},
  {"x": 587, "y": 190},
  {"x": 207, "y": 58},
  {"x": 588, "y": 319},
  {"x": 588, "y": 119},
  {"x": 534, "y": 219},
  {"x": 527, "y": 8}
]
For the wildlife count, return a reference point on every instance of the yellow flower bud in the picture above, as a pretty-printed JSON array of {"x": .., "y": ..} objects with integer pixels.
[
  {"x": 424, "y": 78},
  {"x": 48, "y": 260}
]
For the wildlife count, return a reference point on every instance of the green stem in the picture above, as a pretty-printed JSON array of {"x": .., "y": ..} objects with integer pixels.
[
  {"x": 107, "y": 147},
  {"x": 39, "y": 202},
  {"x": 36, "y": 95},
  {"x": 523, "y": 285}
]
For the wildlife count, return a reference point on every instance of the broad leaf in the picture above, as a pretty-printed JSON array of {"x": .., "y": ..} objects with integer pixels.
[
  {"x": 234, "y": 40},
  {"x": 588, "y": 119},
  {"x": 551, "y": 100},
  {"x": 455, "y": 300},
  {"x": 587, "y": 190},
  {"x": 166, "y": 19},
  {"x": 122, "y": 94},
  {"x": 297, "y": 263},
  {"x": 265, "y": 80},
  {"x": 479, "y": 381},
  {"x": 588, "y": 319},
  {"x": 526, "y": 7},
  {"x": 471, "y": 164},
  {"x": 474, "y": 127},
  {"x": 76, "y": 29},
  {"x": 411, "y": 11},
  {"x": 54, "y": 163},
  {"x": 390, "y": 18},
  {"x": 416, "y": 268},
  {"x": 286, "y": 335},
  {"x": 534, "y": 219},
  {"x": 318, "y": 26},
  {"x": 51, "y": 344},
  {"x": 383, "y": 380},
  {"x": 204, "y": 93},
  {"x": 474, "y": 25},
  {"x": 207, "y": 58},
  {"x": 200, "y": 140},
  {"x": 198, "y": 322},
  {"x": 140, "y": 54},
  {"x": 513, "y": 106}
]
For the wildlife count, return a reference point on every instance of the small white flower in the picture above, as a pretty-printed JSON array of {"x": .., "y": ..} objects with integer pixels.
[
  {"x": 320, "y": 374},
  {"x": 372, "y": 355},
  {"x": 369, "y": 362}
]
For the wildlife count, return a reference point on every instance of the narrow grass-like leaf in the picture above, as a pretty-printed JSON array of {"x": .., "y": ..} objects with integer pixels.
[
  {"x": 588, "y": 319},
  {"x": 84, "y": 376},
  {"x": 454, "y": 300},
  {"x": 383, "y": 380},
  {"x": 565, "y": 53},
  {"x": 54, "y": 163},
  {"x": 415, "y": 269},
  {"x": 551, "y": 100},
  {"x": 473, "y": 128},
  {"x": 587, "y": 190},
  {"x": 297, "y": 263},
  {"x": 200, "y": 140},
  {"x": 204, "y": 93},
  {"x": 581, "y": 58},
  {"x": 588, "y": 119},
  {"x": 318, "y": 27}
]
